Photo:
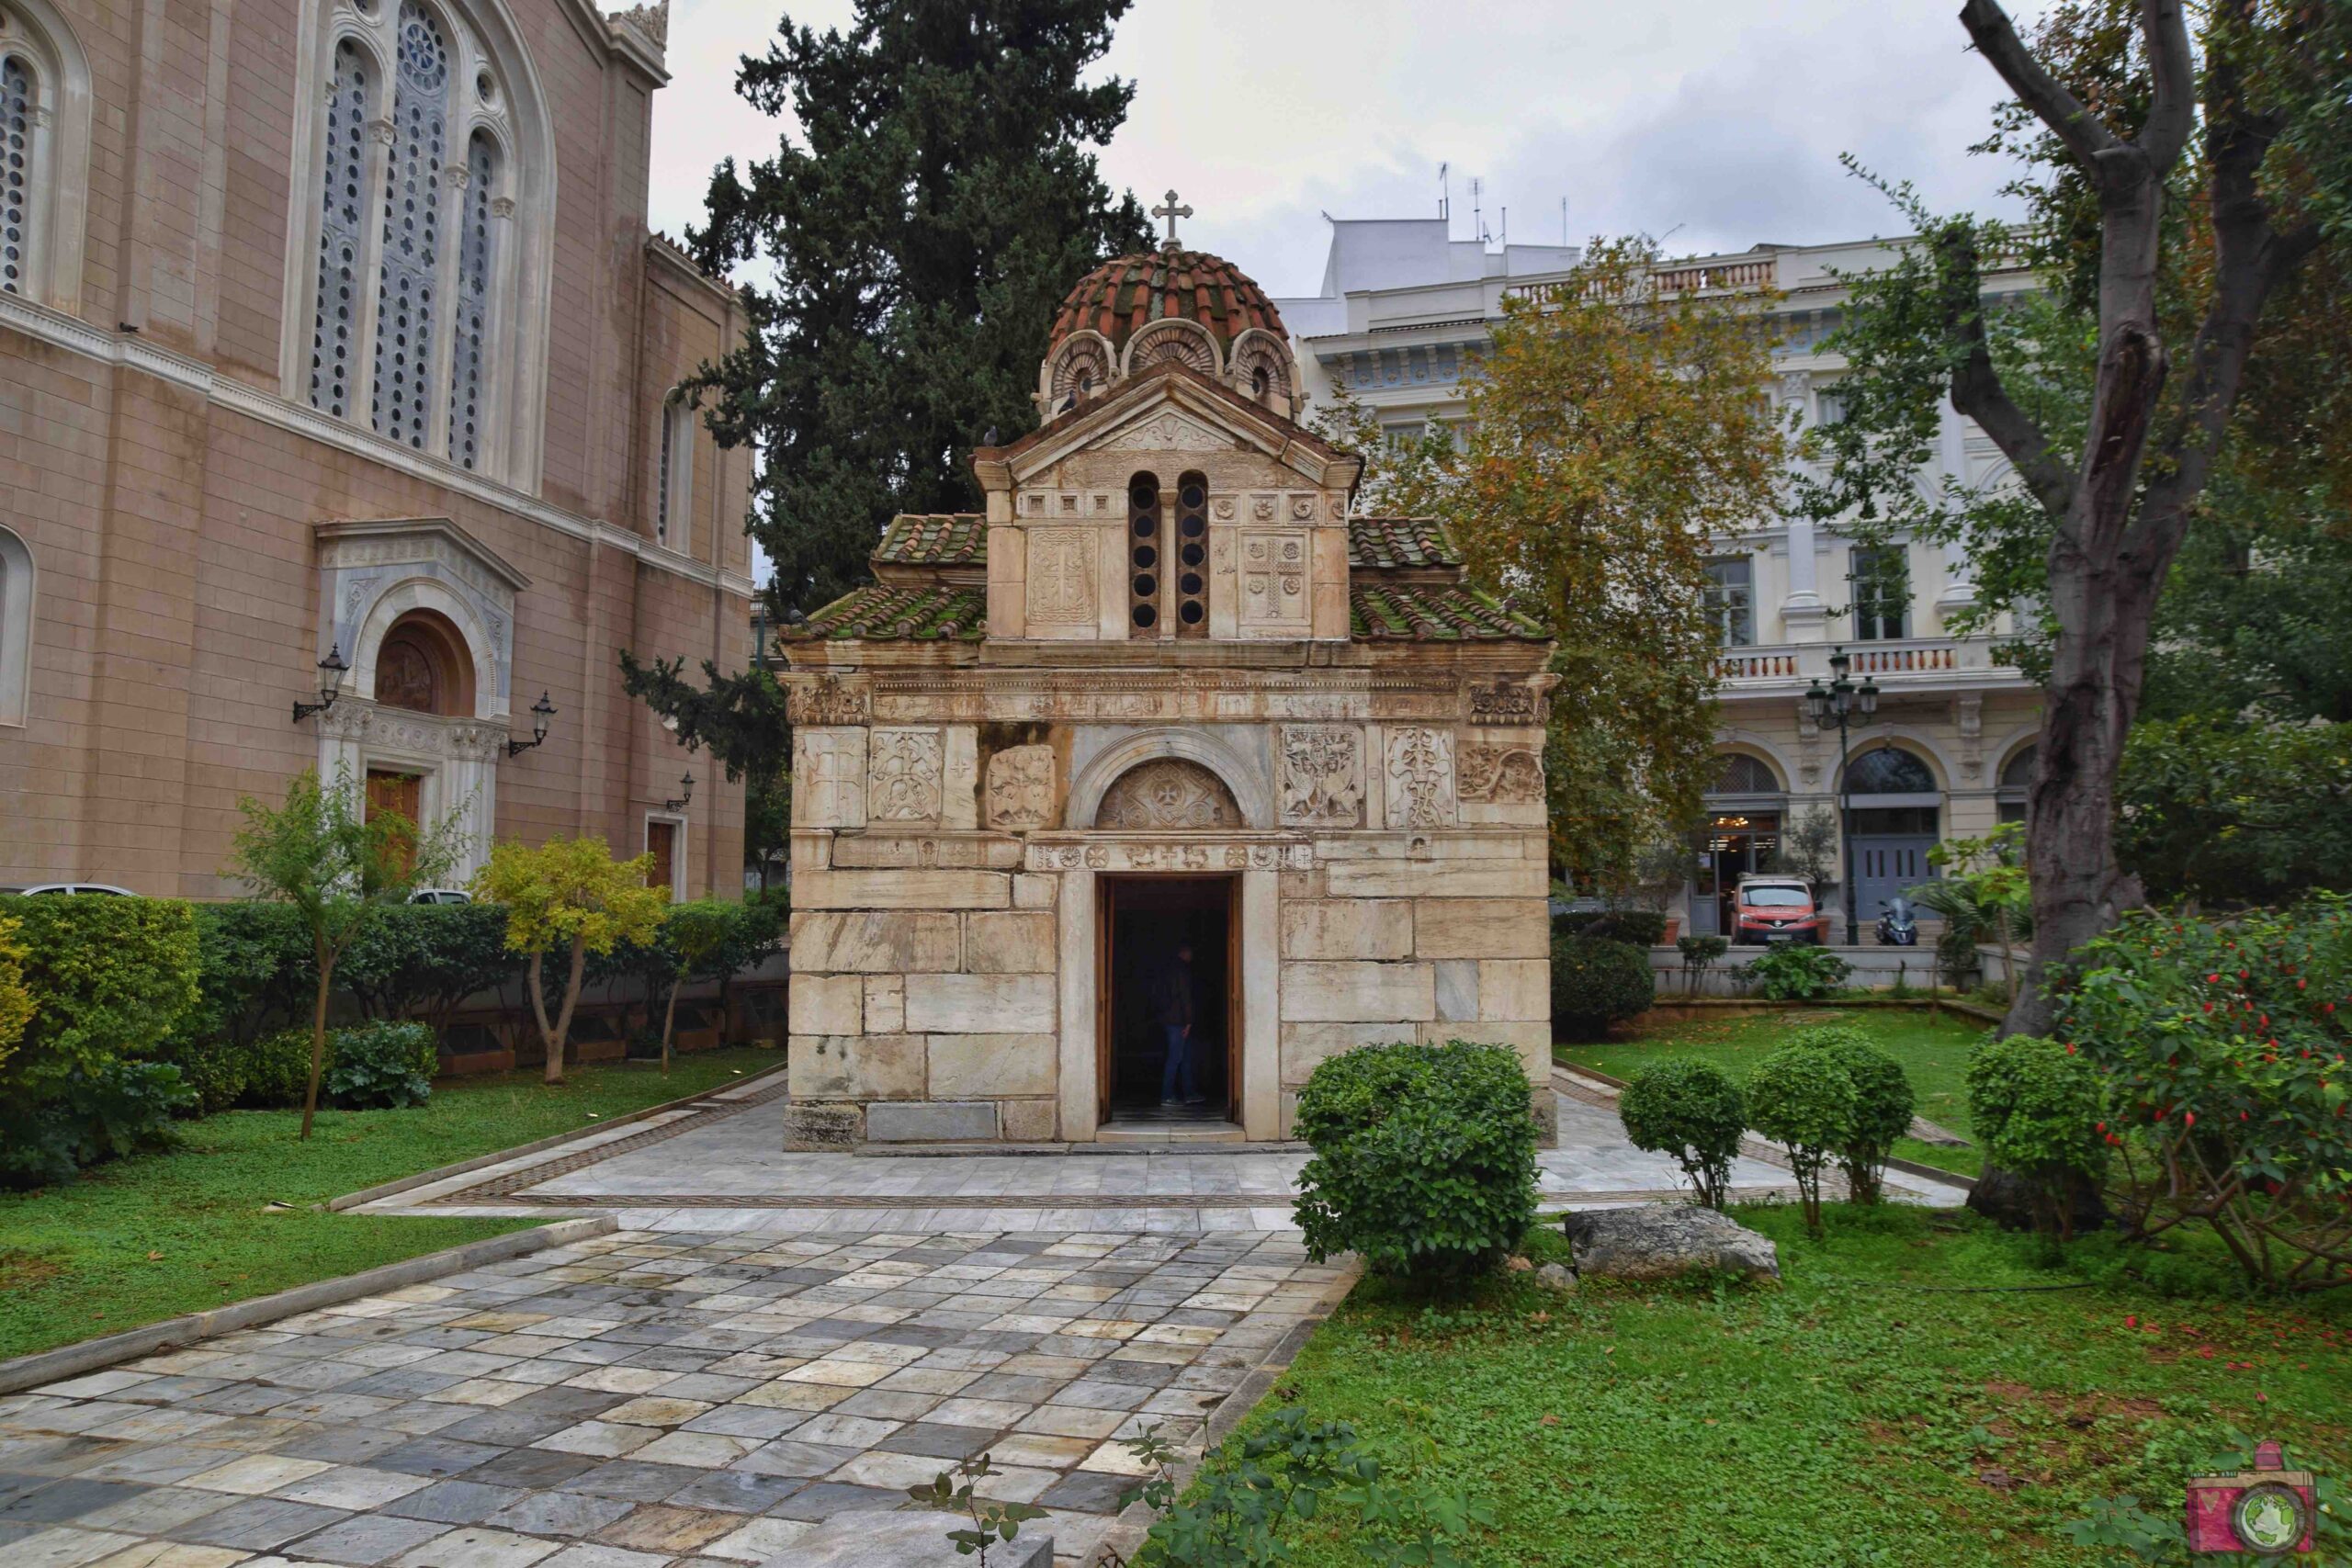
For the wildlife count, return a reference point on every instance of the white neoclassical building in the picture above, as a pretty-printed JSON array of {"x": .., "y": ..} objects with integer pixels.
[{"x": 1402, "y": 314}]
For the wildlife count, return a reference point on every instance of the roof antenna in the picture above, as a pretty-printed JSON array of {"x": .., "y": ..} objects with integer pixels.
[
  {"x": 1444, "y": 192},
  {"x": 1477, "y": 214},
  {"x": 1564, "y": 222},
  {"x": 1506, "y": 228}
]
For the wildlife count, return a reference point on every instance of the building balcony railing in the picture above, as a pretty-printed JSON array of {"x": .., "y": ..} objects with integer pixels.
[{"x": 1794, "y": 664}]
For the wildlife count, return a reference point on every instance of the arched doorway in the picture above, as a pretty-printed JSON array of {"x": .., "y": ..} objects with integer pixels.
[
  {"x": 422, "y": 667},
  {"x": 1746, "y": 809},
  {"x": 1894, "y": 814},
  {"x": 2017, "y": 780}
]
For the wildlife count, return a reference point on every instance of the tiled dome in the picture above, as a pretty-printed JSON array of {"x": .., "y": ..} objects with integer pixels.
[{"x": 1128, "y": 293}]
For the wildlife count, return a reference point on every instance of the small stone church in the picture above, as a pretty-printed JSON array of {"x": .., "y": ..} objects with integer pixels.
[{"x": 1169, "y": 691}]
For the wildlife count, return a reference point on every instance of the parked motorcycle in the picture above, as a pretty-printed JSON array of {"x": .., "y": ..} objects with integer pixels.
[{"x": 1898, "y": 925}]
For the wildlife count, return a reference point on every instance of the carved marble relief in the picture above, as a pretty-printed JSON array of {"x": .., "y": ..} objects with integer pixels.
[
  {"x": 902, "y": 775},
  {"x": 1322, "y": 775},
  {"x": 829, "y": 778},
  {"x": 827, "y": 700},
  {"x": 1420, "y": 776},
  {"x": 1166, "y": 432},
  {"x": 1166, "y": 795},
  {"x": 1020, "y": 787},
  {"x": 1501, "y": 775},
  {"x": 1273, "y": 577},
  {"x": 1505, "y": 702},
  {"x": 1061, "y": 577}
]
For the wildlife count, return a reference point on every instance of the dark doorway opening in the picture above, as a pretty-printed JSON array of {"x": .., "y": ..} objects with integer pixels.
[{"x": 1145, "y": 921}]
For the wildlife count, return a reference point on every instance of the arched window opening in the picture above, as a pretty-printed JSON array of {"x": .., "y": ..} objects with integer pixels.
[
  {"x": 2017, "y": 783},
  {"x": 674, "y": 475},
  {"x": 470, "y": 335},
  {"x": 1144, "y": 542},
  {"x": 16, "y": 627},
  {"x": 1889, "y": 771},
  {"x": 1262, "y": 383},
  {"x": 422, "y": 666},
  {"x": 1168, "y": 793},
  {"x": 335, "y": 321},
  {"x": 1744, "y": 775},
  {"x": 1191, "y": 547},
  {"x": 18, "y": 126},
  {"x": 406, "y": 309}
]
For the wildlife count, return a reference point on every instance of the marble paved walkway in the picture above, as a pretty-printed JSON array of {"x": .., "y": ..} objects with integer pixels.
[{"x": 653, "y": 1401}]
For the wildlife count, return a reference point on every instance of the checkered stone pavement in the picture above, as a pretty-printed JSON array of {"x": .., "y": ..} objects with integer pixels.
[{"x": 643, "y": 1400}]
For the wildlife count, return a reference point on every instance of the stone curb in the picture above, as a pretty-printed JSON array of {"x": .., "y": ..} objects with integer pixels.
[
  {"x": 91, "y": 1355},
  {"x": 1126, "y": 1535},
  {"x": 538, "y": 1145},
  {"x": 1756, "y": 1148}
]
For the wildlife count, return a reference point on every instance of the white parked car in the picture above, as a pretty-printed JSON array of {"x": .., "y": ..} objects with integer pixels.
[
  {"x": 440, "y": 895},
  {"x": 108, "y": 888}
]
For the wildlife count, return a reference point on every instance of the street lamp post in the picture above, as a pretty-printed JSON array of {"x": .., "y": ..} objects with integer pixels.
[{"x": 1848, "y": 706}]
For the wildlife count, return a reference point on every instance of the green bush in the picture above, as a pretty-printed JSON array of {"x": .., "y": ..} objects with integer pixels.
[
  {"x": 2035, "y": 1109},
  {"x": 109, "y": 978},
  {"x": 380, "y": 1065},
  {"x": 1801, "y": 1097},
  {"x": 1798, "y": 973},
  {"x": 273, "y": 1072},
  {"x": 1424, "y": 1159},
  {"x": 1883, "y": 1102},
  {"x": 1691, "y": 1111},
  {"x": 114, "y": 1109},
  {"x": 1596, "y": 983},
  {"x": 426, "y": 959}
]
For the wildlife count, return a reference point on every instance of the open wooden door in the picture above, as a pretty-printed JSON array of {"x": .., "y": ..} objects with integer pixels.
[{"x": 1105, "y": 1019}]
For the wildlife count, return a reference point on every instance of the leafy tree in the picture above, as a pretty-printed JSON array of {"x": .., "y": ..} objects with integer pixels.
[
  {"x": 1801, "y": 1097},
  {"x": 741, "y": 720},
  {"x": 570, "y": 892},
  {"x": 1982, "y": 894},
  {"x": 938, "y": 200},
  {"x": 340, "y": 865},
  {"x": 2230, "y": 811},
  {"x": 1612, "y": 430},
  {"x": 2232, "y": 256},
  {"x": 16, "y": 998}
]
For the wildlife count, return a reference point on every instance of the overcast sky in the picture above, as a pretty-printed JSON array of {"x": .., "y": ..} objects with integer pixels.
[{"x": 1713, "y": 123}]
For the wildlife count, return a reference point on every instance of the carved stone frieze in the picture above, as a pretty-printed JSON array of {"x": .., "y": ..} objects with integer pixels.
[
  {"x": 829, "y": 699},
  {"x": 1020, "y": 787},
  {"x": 902, "y": 775},
  {"x": 1506, "y": 702},
  {"x": 1159, "y": 854},
  {"x": 1501, "y": 775},
  {"x": 1321, "y": 775},
  {"x": 1273, "y": 577},
  {"x": 1061, "y": 577},
  {"x": 1168, "y": 432},
  {"x": 1166, "y": 795},
  {"x": 1419, "y": 777}
]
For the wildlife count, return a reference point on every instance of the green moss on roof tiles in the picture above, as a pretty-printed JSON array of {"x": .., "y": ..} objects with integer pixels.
[
  {"x": 1400, "y": 542},
  {"x": 901, "y": 612},
  {"x": 954, "y": 539},
  {"x": 1379, "y": 612}
]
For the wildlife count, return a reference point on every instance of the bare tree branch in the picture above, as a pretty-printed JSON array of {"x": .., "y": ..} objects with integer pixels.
[
  {"x": 1976, "y": 388},
  {"x": 2172, "y": 112},
  {"x": 1988, "y": 26}
]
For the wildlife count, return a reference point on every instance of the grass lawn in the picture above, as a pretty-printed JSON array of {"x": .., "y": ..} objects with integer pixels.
[
  {"x": 183, "y": 1231},
  {"x": 1839, "y": 1420},
  {"x": 1932, "y": 1046}
]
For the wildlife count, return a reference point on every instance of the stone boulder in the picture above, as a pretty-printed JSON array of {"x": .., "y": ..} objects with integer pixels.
[
  {"x": 906, "y": 1538},
  {"x": 1659, "y": 1241}
]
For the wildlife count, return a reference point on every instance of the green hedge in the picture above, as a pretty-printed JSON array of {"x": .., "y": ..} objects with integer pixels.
[{"x": 1596, "y": 983}]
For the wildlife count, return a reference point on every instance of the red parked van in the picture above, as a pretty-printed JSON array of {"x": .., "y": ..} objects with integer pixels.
[{"x": 1769, "y": 910}]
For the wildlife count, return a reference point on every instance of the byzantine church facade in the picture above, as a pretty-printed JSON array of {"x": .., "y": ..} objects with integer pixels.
[{"x": 1168, "y": 690}]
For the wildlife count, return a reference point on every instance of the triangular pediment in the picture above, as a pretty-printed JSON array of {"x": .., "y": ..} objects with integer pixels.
[{"x": 1175, "y": 410}]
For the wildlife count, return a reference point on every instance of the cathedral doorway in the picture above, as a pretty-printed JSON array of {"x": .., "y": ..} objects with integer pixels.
[{"x": 1149, "y": 926}]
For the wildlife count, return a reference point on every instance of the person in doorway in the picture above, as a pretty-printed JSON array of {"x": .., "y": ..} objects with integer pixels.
[{"x": 1173, "y": 992}]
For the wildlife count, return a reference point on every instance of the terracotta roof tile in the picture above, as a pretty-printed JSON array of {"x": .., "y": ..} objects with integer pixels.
[
  {"x": 895, "y": 612},
  {"x": 1127, "y": 293},
  {"x": 1394, "y": 612},
  {"x": 958, "y": 539},
  {"x": 1400, "y": 542}
]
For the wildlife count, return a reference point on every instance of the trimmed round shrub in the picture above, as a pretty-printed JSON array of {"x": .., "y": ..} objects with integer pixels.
[
  {"x": 380, "y": 1066},
  {"x": 1596, "y": 983},
  {"x": 109, "y": 977},
  {"x": 1883, "y": 1102},
  {"x": 1424, "y": 1159},
  {"x": 1801, "y": 1097},
  {"x": 1691, "y": 1111},
  {"x": 2036, "y": 1110}
]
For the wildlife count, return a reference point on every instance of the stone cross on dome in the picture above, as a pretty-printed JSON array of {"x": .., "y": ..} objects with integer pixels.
[{"x": 1171, "y": 212}]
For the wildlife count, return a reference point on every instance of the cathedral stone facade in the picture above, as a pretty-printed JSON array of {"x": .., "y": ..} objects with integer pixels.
[{"x": 1170, "y": 690}]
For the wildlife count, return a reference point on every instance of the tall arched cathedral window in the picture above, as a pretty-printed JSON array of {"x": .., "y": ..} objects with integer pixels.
[
  {"x": 425, "y": 297},
  {"x": 44, "y": 154},
  {"x": 18, "y": 125}
]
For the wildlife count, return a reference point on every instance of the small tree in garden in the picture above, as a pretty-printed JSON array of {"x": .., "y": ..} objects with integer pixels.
[
  {"x": 706, "y": 939},
  {"x": 340, "y": 865},
  {"x": 1700, "y": 954},
  {"x": 1883, "y": 1102},
  {"x": 1693, "y": 1112},
  {"x": 2035, "y": 1108},
  {"x": 1982, "y": 894},
  {"x": 2221, "y": 1049},
  {"x": 569, "y": 893},
  {"x": 1801, "y": 1097}
]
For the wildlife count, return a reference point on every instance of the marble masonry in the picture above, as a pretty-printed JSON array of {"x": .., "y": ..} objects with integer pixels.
[{"x": 1168, "y": 690}]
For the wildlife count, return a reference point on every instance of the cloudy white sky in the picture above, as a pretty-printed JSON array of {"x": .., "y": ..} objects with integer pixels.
[{"x": 1717, "y": 122}]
